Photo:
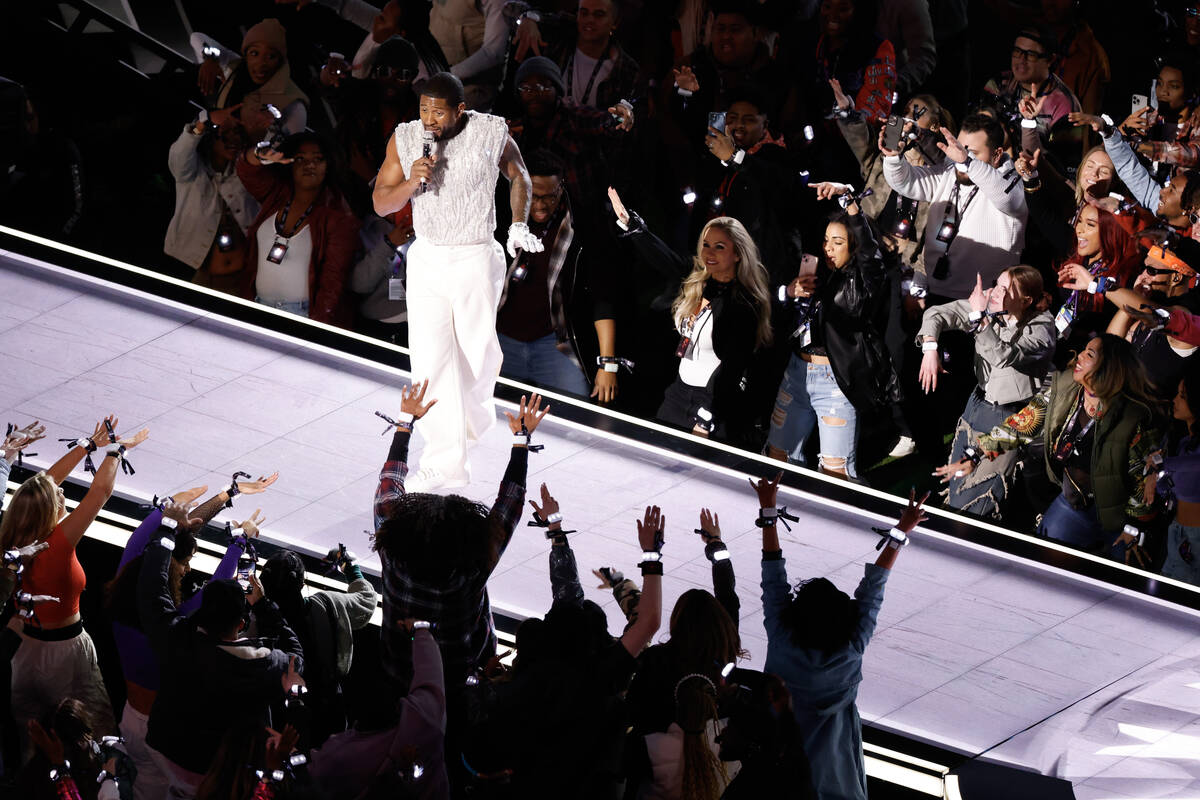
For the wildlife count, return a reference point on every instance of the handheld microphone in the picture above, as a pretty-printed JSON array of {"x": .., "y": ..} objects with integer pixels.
[{"x": 427, "y": 140}]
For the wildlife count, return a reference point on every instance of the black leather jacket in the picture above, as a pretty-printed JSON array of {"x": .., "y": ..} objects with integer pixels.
[{"x": 850, "y": 302}]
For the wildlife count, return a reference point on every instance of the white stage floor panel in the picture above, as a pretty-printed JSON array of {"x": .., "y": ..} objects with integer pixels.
[{"x": 976, "y": 651}]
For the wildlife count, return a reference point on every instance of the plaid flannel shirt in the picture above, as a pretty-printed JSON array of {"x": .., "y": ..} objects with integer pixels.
[{"x": 459, "y": 607}]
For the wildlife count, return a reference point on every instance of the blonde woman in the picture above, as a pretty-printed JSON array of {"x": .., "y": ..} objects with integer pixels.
[
  {"x": 57, "y": 659},
  {"x": 722, "y": 312}
]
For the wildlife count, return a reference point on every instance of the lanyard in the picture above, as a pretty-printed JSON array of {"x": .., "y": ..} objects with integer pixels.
[
  {"x": 1067, "y": 436},
  {"x": 1073, "y": 297},
  {"x": 282, "y": 218},
  {"x": 958, "y": 212},
  {"x": 595, "y": 71}
]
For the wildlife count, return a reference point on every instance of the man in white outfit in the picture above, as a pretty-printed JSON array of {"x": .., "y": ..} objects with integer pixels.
[{"x": 455, "y": 266}]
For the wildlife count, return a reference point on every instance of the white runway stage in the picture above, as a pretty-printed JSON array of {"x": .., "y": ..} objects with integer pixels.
[{"x": 976, "y": 651}]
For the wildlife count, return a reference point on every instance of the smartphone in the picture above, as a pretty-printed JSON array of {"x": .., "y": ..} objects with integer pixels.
[
  {"x": 1140, "y": 101},
  {"x": 1154, "y": 94},
  {"x": 808, "y": 266},
  {"x": 716, "y": 119},
  {"x": 893, "y": 131},
  {"x": 245, "y": 568}
]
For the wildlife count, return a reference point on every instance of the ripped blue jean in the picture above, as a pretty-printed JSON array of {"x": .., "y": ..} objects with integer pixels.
[{"x": 809, "y": 397}]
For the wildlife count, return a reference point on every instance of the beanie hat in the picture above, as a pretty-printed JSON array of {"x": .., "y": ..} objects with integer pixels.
[
  {"x": 541, "y": 67},
  {"x": 268, "y": 32}
]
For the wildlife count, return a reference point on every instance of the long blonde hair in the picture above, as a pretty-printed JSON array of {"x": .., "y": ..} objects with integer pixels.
[
  {"x": 750, "y": 274},
  {"x": 32, "y": 512}
]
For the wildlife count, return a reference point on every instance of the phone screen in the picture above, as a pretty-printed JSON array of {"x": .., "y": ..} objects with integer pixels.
[{"x": 716, "y": 119}]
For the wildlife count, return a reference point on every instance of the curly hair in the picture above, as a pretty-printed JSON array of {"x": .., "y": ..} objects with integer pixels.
[
  {"x": 821, "y": 616},
  {"x": 437, "y": 537}
]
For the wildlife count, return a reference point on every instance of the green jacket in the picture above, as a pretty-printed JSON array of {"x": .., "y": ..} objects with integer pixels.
[{"x": 1124, "y": 436}]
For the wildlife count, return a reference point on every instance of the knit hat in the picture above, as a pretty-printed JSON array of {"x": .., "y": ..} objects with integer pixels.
[
  {"x": 541, "y": 67},
  {"x": 268, "y": 32}
]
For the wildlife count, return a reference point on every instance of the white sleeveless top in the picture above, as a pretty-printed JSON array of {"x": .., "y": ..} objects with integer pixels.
[
  {"x": 458, "y": 206},
  {"x": 287, "y": 281}
]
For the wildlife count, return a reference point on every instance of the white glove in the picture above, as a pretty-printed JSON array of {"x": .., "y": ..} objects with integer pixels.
[{"x": 521, "y": 238}]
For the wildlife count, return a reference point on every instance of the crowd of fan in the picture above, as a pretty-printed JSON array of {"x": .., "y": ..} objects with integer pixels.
[
  {"x": 236, "y": 686},
  {"x": 1009, "y": 297}
]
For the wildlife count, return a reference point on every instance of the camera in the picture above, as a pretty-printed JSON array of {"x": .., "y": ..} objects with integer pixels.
[
  {"x": 947, "y": 231},
  {"x": 277, "y": 252}
]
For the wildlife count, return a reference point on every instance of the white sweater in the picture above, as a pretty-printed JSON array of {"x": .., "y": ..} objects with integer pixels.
[{"x": 991, "y": 233}]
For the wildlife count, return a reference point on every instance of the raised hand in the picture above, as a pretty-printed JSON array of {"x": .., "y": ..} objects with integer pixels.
[
  {"x": 528, "y": 39},
  {"x": 1027, "y": 163},
  {"x": 883, "y": 148},
  {"x": 21, "y": 438},
  {"x": 549, "y": 504},
  {"x": 914, "y": 515},
  {"x": 259, "y": 486},
  {"x": 251, "y": 525},
  {"x": 528, "y": 415},
  {"x": 130, "y": 442},
  {"x": 720, "y": 144},
  {"x": 710, "y": 526},
  {"x": 179, "y": 513},
  {"x": 979, "y": 295},
  {"x": 840, "y": 99},
  {"x": 618, "y": 207},
  {"x": 952, "y": 148},
  {"x": 279, "y": 746},
  {"x": 1031, "y": 106},
  {"x": 100, "y": 436},
  {"x": 767, "y": 490},
  {"x": 291, "y": 677},
  {"x": 686, "y": 79},
  {"x": 412, "y": 400},
  {"x": 1079, "y": 118},
  {"x": 186, "y": 496},
  {"x": 651, "y": 529}
]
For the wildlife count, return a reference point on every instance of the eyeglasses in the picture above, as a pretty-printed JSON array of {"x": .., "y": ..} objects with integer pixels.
[
  {"x": 546, "y": 198},
  {"x": 1027, "y": 55},
  {"x": 1157, "y": 271},
  {"x": 398, "y": 73},
  {"x": 534, "y": 88}
]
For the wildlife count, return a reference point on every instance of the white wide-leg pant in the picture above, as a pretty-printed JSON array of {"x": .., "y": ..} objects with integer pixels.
[{"x": 453, "y": 293}]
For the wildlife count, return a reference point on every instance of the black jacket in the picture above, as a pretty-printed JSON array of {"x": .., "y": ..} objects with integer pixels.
[
  {"x": 207, "y": 685},
  {"x": 762, "y": 194},
  {"x": 734, "y": 321},
  {"x": 850, "y": 304}
]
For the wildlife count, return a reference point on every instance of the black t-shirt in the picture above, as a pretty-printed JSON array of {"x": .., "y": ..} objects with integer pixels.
[
  {"x": 1164, "y": 367},
  {"x": 526, "y": 314}
]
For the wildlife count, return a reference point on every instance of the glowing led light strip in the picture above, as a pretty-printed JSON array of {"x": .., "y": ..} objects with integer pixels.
[{"x": 647, "y": 424}]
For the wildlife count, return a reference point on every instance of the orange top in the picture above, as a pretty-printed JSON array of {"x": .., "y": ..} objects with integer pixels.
[{"x": 56, "y": 572}]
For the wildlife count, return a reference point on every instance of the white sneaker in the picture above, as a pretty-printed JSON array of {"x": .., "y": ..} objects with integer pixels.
[
  {"x": 905, "y": 447},
  {"x": 430, "y": 479}
]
